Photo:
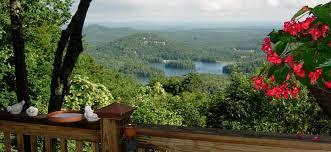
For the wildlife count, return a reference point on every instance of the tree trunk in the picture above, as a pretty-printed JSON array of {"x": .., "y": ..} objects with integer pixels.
[
  {"x": 19, "y": 60},
  {"x": 63, "y": 66},
  {"x": 19, "y": 53}
]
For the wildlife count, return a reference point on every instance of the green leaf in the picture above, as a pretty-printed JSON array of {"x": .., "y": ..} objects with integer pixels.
[
  {"x": 323, "y": 59},
  {"x": 274, "y": 36},
  {"x": 327, "y": 72},
  {"x": 308, "y": 55},
  {"x": 322, "y": 12},
  {"x": 280, "y": 74},
  {"x": 322, "y": 46},
  {"x": 304, "y": 81},
  {"x": 272, "y": 69},
  {"x": 280, "y": 47}
]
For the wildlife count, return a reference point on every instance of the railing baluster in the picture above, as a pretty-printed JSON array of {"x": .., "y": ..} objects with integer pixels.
[
  {"x": 7, "y": 142},
  {"x": 48, "y": 144},
  {"x": 20, "y": 142},
  {"x": 79, "y": 146},
  {"x": 33, "y": 142},
  {"x": 63, "y": 145},
  {"x": 95, "y": 147}
]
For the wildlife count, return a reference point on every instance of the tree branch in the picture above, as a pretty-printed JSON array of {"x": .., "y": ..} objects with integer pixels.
[{"x": 62, "y": 71}]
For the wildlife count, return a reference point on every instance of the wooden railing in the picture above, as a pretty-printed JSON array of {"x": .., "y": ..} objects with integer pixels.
[
  {"x": 106, "y": 132},
  {"x": 108, "y": 135},
  {"x": 183, "y": 139}
]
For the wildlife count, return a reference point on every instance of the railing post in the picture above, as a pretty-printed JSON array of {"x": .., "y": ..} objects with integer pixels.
[{"x": 113, "y": 119}]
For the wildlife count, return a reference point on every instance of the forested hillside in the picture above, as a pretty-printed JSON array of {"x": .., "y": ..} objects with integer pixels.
[
  {"x": 143, "y": 48},
  {"x": 97, "y": 34}
]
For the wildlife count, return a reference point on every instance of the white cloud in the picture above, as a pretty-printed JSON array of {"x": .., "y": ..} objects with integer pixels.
[
  {"x": 273, "y": 3},
  {"x": 195, "y": 10}
]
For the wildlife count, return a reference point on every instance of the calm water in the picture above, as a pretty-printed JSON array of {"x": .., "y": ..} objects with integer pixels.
[{"x": 200, "y": 67}]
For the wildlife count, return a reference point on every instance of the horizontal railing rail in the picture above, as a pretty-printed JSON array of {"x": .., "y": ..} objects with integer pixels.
[
  {"x": 113, "y": 133},
  {"x": 169, "y": 138},
  {"x": 106, "y": 132}
]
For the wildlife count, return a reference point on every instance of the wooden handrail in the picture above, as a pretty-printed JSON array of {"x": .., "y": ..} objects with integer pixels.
[
  {"x": 107, "y": 131},
  {"x": 169, "y": 138},
  {"x": 114, "y": 118}
]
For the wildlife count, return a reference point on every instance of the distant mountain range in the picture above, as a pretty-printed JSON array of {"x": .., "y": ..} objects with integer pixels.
[{"x": 203, "y": 38}]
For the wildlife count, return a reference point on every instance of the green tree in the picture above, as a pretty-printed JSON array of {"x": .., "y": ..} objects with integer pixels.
[
  {"x": 84, "y": 92},
  {"x": 242, "y": 108},
  {"x": 42, "y": 22}
]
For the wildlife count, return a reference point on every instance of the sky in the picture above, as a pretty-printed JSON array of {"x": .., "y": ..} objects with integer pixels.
[{"x": 172, "y": 12}]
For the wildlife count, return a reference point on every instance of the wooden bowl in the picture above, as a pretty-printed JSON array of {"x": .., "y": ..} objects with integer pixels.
[{"x": 65, "y": 116}]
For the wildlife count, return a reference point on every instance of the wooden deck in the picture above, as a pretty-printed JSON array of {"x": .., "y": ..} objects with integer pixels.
[{"x": 108, "y": 133}]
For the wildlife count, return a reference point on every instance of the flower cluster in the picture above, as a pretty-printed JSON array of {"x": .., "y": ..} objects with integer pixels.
[
  {"x": 285, "y": 90},
  {"x": 319, "y": 31},
  {"x": 297, "y": 37},
  {"x": 314, "y": 76},
  {"x": 303, "y": 28},
  {"x": 259, "y": 84},
  {"x": 294, "y": 28},
  {"x": 272, "y": 56}
]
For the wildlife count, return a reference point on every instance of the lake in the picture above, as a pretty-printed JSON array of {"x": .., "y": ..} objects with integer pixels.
[{"x": 200, "y": 67}]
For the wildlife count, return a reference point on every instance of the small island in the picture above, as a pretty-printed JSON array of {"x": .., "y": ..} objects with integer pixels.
[{"x": 180, "y": 64}]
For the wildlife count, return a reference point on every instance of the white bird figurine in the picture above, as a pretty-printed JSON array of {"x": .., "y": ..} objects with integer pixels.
[
  {"x": 88, "y": 109},
  {"x": 32, "y": 111},
  {"x": 16, "y": 108},
  {"x": 90, "y": 115}
]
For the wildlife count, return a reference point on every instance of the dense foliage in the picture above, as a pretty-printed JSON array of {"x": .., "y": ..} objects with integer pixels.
[
  {"x": 300, "y": 51},
  {"x": 240, "y": 107},
  {"x": 42, "y": 25}
]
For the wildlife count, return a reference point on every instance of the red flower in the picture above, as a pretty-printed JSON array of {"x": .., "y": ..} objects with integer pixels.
[
  {"x": 325, "y": 28},
  {"x": 274, "y": 92},
  {"x": 295, "y": 91},
  {"x": 289, "y": 60},
  {"x": 259, "y": 84},
  {"x": 288, "y": 77},
  {"x": 267, "y": 40},
  {"x": 306, "y": 24},
  {"x": 316, "y": 138},
  {"x": 327, "y": 84},
  {"x": 283, "y": 91},
  {"x": 315, "y": 34},
  {"x": 272, "y": 78},
  {"x": 292, "y": 27},
  {"x": 274, "y": 58},
  {"x": 299, "y": 71},
  {"x": 314, "y": 76},
  {"x": 319, "y": 32},
  {"x": 266, "y": 46},
  {"x": 329, "y": 44}
]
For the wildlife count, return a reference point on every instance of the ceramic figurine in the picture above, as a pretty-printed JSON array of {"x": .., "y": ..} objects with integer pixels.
[
  {"x": 32, "y": 111},
  {"x": 90, "y": 115},
  {"x": 16, "y": 108}
]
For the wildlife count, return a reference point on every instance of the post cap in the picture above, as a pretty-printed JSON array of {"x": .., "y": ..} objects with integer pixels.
[{"x": 115, "y": 111}]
